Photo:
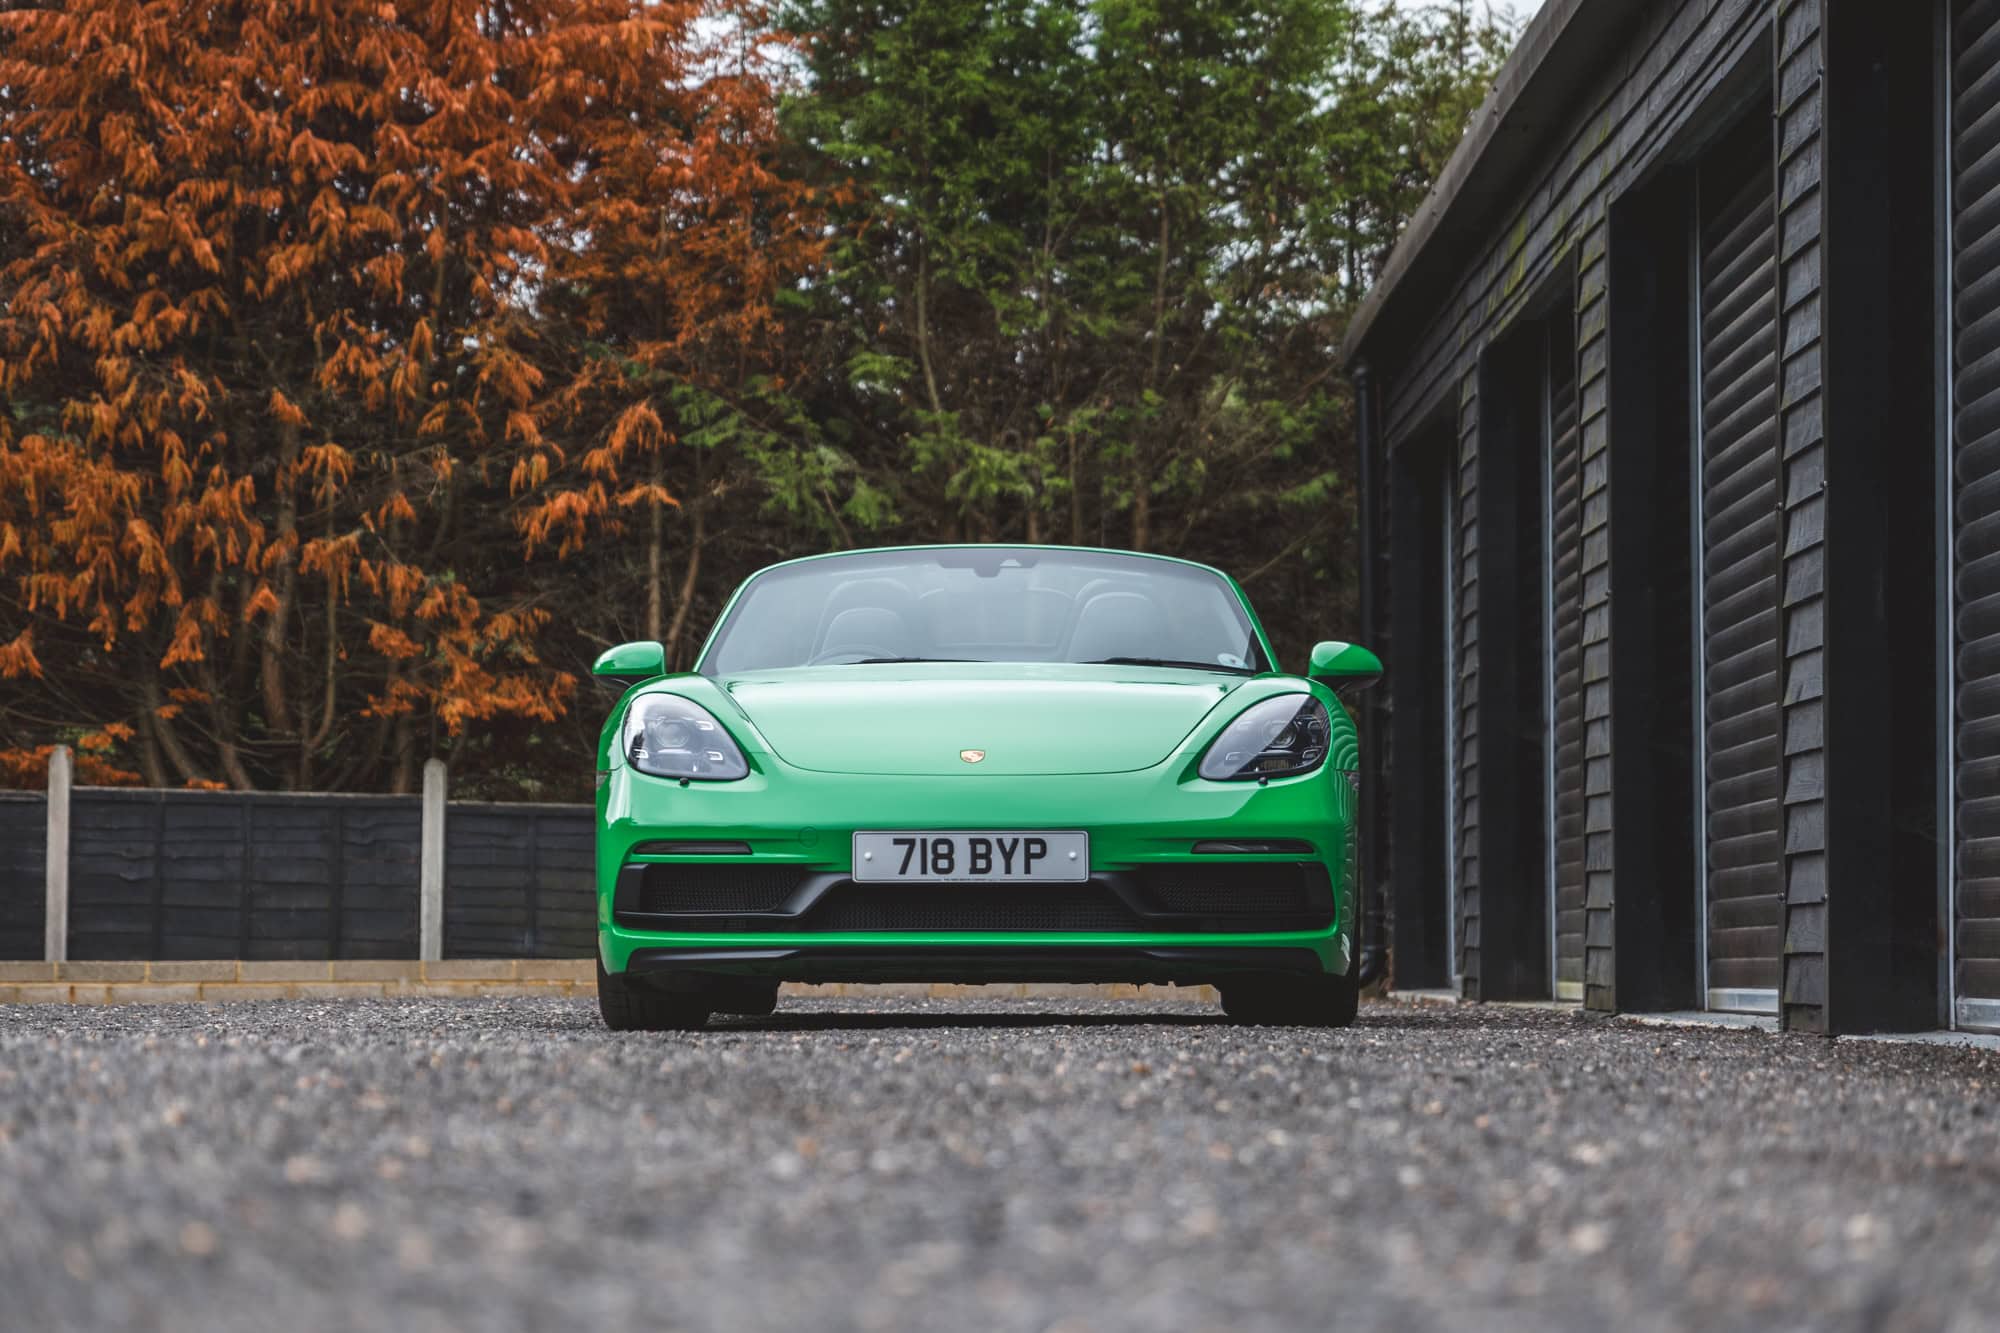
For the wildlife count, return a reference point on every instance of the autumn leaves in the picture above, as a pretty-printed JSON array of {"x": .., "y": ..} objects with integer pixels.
[{"x": 315, "y": 319}]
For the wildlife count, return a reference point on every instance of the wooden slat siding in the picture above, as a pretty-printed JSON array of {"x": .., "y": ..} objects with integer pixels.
[
  {"x": 567, "y": 924},
  {"x": 1375, "y": 722},
  {"x": 180, "y": 875},
  {"x": 380, "y": 841},
  {"x": 486, "y": 884},
  {"x": 1378, "y": 754},
  {"x": 1975, "y": 165},
  {"x": 201, "y": 891},
  {"x": 114, "y": 875},
  {"x": 1466, "y": 661},
  {"x": 291, "y": 887},
  {"x": 24, "y": 828},
  {"x": 519, "y": 881},
  {"x": 1566, "y": 639},
  {"x": 1740, "y": 574},
  {"x": 1677, "y": 57},
  {"x": 1599, "y": 976},
  {"x": 1802, "y": 609}
]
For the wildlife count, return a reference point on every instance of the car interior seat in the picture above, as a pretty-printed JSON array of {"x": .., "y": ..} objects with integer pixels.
[
  {"x": 1118, "y": 624},
  {"x": 867, "y": 631}
]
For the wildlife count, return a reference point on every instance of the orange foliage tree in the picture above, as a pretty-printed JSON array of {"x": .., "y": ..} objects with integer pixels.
[
  {"x": 316, "y": 317},
  {"x": 670, "y": 327}
]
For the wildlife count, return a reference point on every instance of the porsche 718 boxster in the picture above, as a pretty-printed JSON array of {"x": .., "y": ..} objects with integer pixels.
[{"x": 978, "y": 764}]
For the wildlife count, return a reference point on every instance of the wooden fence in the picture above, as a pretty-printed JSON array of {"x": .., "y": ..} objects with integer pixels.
[{"x": 152, "y": 874}]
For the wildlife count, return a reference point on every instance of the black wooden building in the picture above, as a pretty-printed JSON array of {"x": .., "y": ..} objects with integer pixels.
[{"x": 1680, "y": 407}]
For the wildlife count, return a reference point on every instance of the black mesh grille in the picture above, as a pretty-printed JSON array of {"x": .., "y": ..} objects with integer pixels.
[
  {"x": 1196, "y": 896},
  {"x": 971, "y": 907},
  {"x": 723, "y": 887},
  {"x": 1241, "y": 888}
]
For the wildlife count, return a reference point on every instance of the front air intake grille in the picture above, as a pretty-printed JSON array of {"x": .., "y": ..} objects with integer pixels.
[
  {"x": 1195, "y": 897},
  {"x": 998, "y": 907},
  {"x": 1239, "y": 889},
  {"x": 723, "y": 887}
]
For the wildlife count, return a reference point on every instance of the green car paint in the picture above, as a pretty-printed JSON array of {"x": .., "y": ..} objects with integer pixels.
[
  {"x": 1111, "y": 750},
  {"x": 1344, "y": 663},
  {"x": 631, "y": 661}
]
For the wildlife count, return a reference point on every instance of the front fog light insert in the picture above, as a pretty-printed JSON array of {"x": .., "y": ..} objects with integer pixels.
[
  {"x": 672, "y": 737},
  {"x": 1278, "y": 738}
]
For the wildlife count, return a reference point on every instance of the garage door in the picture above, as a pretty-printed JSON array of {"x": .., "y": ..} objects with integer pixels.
[
  {"x": 1976, "y": 497},
  {"x": 1739, "y": 571},
  {"x": 1566, "y": 628}
]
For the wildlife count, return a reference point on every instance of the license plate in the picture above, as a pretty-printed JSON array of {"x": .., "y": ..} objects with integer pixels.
[{"x": 973, "y": 858}]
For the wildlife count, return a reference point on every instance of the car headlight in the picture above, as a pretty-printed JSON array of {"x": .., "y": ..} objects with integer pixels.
[
  {"x": 1278, "y": 738},
  {"x": 672, "y": 737}
]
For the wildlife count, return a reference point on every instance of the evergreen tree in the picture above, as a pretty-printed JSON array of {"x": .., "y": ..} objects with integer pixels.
[{"x": 1101, "y": 255}]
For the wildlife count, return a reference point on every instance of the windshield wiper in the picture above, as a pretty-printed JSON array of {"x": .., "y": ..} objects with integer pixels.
[
  {"x": 1168, "y": 662},
  {"x": 878, "y": 661}
]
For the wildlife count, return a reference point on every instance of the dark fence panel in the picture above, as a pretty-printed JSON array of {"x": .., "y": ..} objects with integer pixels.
[
  {"x": 518, "y": 881},
  {"x": 24, "y": 830},
  {"x": 169, "y": 874},
  {"x": 178, "y": 875}
]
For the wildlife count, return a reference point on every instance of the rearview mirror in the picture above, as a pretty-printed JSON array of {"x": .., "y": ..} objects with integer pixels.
[
  {"x": 1347, "y": 665},
  {"x": 631, "y": 662}
]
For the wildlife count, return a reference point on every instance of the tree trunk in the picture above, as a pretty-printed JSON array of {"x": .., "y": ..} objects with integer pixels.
[
  {"x": 656, "y": 537},
  {"x": 277, "y": 709},
  {"x": 1142, "y": 460},
  {"x": 163, "y": 730},
  {"x": 309, "y": 745},
  {"x": 225, "y": 731},
  {"x": 403, "y": 780},
  {"x": 149, "y": 751},
  {"x": 924, "y": 327},
  {"x": 689, "y": 580},
  {"x": 1075, "y": 490}
]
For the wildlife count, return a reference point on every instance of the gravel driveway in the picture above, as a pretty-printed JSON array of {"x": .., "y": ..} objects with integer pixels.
[{"x": 933, "y": 1164}]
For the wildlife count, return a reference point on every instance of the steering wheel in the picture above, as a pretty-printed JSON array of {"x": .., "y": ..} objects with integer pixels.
[{"x": 863, "y": 650}]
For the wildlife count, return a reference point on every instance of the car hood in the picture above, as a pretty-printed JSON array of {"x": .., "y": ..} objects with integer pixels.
[{"x": 1029, "y": 718}]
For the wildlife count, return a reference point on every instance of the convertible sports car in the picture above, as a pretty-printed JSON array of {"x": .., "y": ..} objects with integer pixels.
[{"x": 978, "y": 763}]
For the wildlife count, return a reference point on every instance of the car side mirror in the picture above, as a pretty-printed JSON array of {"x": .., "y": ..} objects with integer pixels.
[
  {"x": 1344, "y": 665},
  {"x": 630, "y": 663}
]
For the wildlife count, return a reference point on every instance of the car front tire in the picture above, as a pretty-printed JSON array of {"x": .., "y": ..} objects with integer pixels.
[
  {"x": 629, "y": 1006},
  {"x": 1321, "y": 1002}
]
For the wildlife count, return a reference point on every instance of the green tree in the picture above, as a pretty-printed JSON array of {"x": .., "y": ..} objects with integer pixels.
[
  {"x": 1102, "y": 254},
  {"x": 347, "y": 423},
  {"x": 1411, "y": 81}
]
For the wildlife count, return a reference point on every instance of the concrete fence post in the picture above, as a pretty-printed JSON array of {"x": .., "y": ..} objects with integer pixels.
[
  {"x": 430, "y": 909},
  {"x": 55, "y": 883}
]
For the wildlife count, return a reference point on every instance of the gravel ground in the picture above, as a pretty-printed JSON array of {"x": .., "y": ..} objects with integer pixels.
[{"x": 508, "y": 1164}]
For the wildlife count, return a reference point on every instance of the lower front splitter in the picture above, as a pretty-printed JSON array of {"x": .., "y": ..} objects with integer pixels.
[{"x": 1179, "y": 964}]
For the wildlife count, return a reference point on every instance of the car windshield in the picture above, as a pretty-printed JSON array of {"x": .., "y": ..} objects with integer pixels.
[{"x": 986, "y": 604}]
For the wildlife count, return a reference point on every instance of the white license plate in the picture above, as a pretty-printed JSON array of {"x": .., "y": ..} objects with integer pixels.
[{"x": 955, "y": 857}]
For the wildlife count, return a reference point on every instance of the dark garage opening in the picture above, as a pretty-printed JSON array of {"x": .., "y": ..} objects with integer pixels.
[
  {"x": 1515, "y": 723},
  {"x": 1656, "y": 944},
  {"x": 1422, "y": 508}
]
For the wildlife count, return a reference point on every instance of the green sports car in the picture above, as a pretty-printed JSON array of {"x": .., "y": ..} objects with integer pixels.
[{"x": 978, "y": 764}]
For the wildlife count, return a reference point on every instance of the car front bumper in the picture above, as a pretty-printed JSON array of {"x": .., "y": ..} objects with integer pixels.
[{"x": 792, "y": 833}]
